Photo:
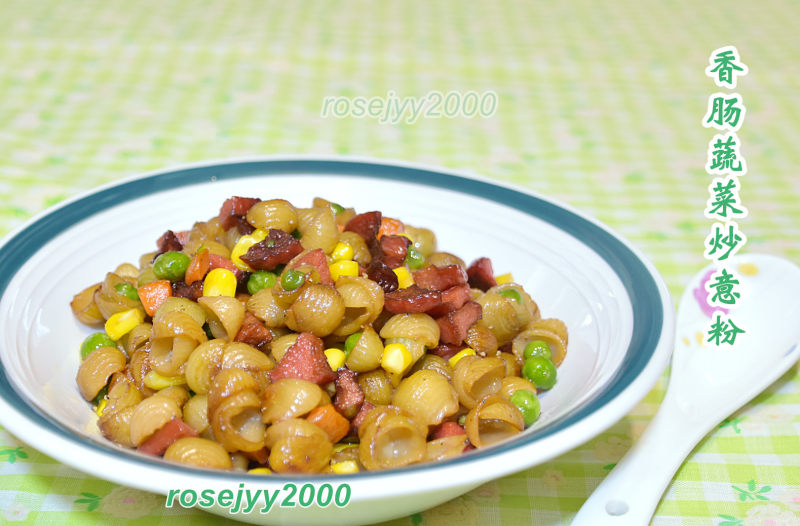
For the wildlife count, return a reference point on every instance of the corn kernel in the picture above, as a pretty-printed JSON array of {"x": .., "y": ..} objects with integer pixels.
[
  {"x": 345, "y": 467},
  {"x": 460, "y": 354},
  {"x": 260, "y": 471},
  {"x": 342, "y": 447},
  {"x": 101, "y": 407},
  {"x": 395, "y": 379},
  {"x": 504, "y": 278},
  {"x": 396, "y": 358},
  {"x": 157, "y": 381},
  {"x": 342, "y": 251},
  {"x": 220, "y": 282},
  {"x": 335, "y": 358},
  {"x": 121, "y": 323},
  {"x": 404, "y": 279},
  {"x": 243, "y": 245},
  {"x": 343, "y": 268}
]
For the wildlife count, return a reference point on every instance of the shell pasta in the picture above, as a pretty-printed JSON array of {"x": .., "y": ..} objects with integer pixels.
[{"x": 276, "y": 338}]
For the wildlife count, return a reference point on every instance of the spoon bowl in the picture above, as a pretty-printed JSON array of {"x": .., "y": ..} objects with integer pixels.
[{"x": 707, "y": 381}]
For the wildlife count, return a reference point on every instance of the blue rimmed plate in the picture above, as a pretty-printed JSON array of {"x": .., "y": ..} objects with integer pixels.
[{"x": 614, "y": 303}]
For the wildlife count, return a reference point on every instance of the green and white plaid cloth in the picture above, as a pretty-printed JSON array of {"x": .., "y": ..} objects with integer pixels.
[{"x": 599, "y": 104}]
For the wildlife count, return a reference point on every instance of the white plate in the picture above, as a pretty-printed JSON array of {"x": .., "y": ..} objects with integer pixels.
[{"x": 614, "y": 303}]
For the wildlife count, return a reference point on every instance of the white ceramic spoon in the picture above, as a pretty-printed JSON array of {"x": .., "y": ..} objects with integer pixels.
[{"x": 707, "y": 383}]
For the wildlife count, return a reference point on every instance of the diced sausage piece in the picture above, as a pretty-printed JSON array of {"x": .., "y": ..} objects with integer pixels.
[
  {"x": 452, "y": 299},
  {"x": 217, "y": 261},
  {"x": 365, "y": 225},
  {"x": 192, "y": 292},
  {"x": 305, "y": 360},
  {"x": 383, "y": 276},
  {"x": 412, "y": 299},
  {"x": 253, "y": 332},
  {"x": 453, "y": 326},
  {"x": 440, "y": 278},
  {"x": 183, "y": 237},
  {"x": 316, "y": 258},
  {"x": 394, "y": 250},
  {"x": 164, "y": 437},
  {"x": 481, "y": 275},
  {"x": 446, "y": 350},
  {"x": 234, "y": 208},
  {"x": 349, "y": 395},
  {"x": 278, "y": 248},
  {"x": 366, "y": 407},
  {"x": 244, "y": 227},
  {"x": 168, "y": 242},
  {"x": 448, "y": 429}
]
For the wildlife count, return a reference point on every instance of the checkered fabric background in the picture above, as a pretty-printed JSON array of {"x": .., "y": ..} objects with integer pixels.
[{"x": 599, "y": 105}]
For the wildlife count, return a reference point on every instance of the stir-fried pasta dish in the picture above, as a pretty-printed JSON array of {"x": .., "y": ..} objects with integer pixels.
[{"x": 273, "y": 338}]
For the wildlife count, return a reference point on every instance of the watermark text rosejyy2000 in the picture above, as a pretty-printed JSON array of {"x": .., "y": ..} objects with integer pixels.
[
  {"x": 394, "y": 109},
  {"x": 247, "y": 500}
]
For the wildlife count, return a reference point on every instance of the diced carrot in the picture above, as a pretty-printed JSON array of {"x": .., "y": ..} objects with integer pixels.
[
  {"x": 260, "y": 456},
  {"x": 164, "y": 437},
  {"x": 198, "y": 267},
  {"x": 153, "y": 295},
  {"x": 390, "y": 227},
  {"x": 340, "y": 228},
  {"x": 329, "y": 419}
]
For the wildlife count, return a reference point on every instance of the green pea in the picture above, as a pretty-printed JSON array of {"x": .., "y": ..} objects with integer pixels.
[
  {"x": 260, "y": 280},
  {"x": 296, "y": 234},
  {"x": 351, "y": 342},
  {"x": 292, "y": 279},
  {"x": 100, "y": 395},
  {"x": 512, "y": 294},
  {"x": 95, "y": 341},
  {"x": 127, "y": 290},
  {"x": 171, "y": 265},
  {"x": 528, "y": 404},
  {"x": 414, "y": 259},
  {"x": 208, "y": 332},
  {"x": 337, "y": 208},
  {"x": 540, "y": 371},
  {"x": 537, "y": 348}
]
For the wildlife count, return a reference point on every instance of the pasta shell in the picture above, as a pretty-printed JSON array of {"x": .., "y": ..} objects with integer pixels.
[
  {"x": 198, "y": 452},
  {"x": 150, "y": 415},
  {"x": 427, "y": 396},
  {"x": 264, "y": 307},
  {"x": 445, "y": 447},
  {"x": 225, "y": 315},
  {"x": 274, "y": 213},
  {"x": 318, "y": 309},
  {"x": 416, "y": 326},
  {"x": 84, "y": 308},
  {"x": 97, "y": 368},
  {"x": 236, "y": 422},
  {"x": 492, "y": 420},
  {"x": 203, "y": 364},
  {"x": 195, "y": 413},
  {"x": 366, "y": 355},
  {"x": 390, "y": 439},
  {"x": 318, "y": 229},
  {"x": 475, "y": 378},
  {"x": 289, "y": 398}
]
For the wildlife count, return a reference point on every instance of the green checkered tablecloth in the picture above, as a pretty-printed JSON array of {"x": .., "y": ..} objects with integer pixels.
[{"x": 599, "y": 105}]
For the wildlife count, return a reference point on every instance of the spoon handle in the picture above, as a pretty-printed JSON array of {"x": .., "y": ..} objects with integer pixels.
[{"x": 628, "y": 496}]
